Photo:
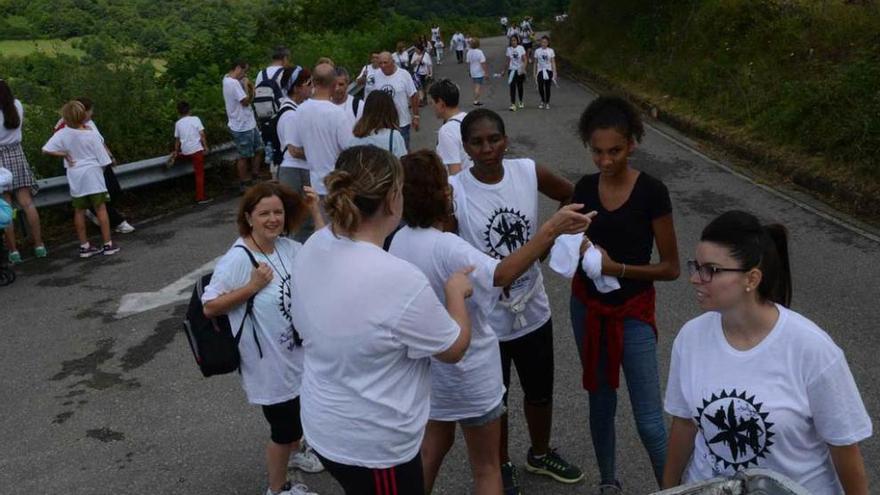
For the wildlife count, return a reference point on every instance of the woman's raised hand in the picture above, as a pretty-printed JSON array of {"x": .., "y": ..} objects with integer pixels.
[{"x": 567, "y": 220}]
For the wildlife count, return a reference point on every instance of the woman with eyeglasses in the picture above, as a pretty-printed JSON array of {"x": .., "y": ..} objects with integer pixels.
[
  {"x": 618, "y": 328},
  {"x": 753, "y": 383}
]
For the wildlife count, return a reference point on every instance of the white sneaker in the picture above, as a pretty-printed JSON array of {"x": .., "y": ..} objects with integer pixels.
[
  {"x": 541, "y": 105},
  {"x": 297, "y": 489},
  {"x": 305, "y": 460},
  {"x": 124, "y": 228},
  {"x": 92, "y": 218}
]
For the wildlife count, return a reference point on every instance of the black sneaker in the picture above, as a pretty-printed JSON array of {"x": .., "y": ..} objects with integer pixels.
[
  {"x": 110, "y": 249},
  {"x": 554, "y": 466},
  {"x": 510, "y": 479}
]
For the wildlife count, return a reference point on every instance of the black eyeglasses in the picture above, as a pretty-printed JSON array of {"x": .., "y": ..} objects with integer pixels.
[{"x": 708, "y": 271}]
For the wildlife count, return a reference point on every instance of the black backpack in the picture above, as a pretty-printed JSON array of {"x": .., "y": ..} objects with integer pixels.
[
  {"x": 269, "y": 131},
  {"x": 213, "y": 344},
  {"x": 267, "y": 95}
]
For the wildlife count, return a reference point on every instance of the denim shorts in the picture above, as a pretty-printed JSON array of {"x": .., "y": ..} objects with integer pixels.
[
  {"x": 477, "y": 80},
  {"x": 247, "y": 142},
  {"x": 485, "y": 419}
]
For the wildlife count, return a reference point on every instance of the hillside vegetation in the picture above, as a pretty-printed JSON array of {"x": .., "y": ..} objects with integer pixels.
[{"x": 796, "y": 81}]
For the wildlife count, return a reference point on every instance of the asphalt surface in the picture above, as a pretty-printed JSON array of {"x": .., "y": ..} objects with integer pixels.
[{"x": 92, "y": 404}]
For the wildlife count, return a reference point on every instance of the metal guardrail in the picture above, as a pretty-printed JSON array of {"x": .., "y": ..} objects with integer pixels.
[{"x": 56, "y": 190}]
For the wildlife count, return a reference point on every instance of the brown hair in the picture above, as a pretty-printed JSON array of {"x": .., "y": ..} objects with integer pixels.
[
  {"x": 379, "y": 113},
  {"x": 425, "y": 189},
  {"x": 475, "y": 42},
  {"x": 295, "y": 210},
  {"x": 360, "y": 184},
  {"x": 74, "y": 114}
]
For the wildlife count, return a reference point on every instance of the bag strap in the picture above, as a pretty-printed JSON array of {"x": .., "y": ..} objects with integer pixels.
[
  {"x": 249, "y": 309},
  {"x": 355, "y": 106},
  {"x": 391, "y": 141}
]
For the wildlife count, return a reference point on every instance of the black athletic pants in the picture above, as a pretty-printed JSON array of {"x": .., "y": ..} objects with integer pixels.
[
  {"x": 544, "y": 85},
  {"x": 403, "y": 479},
  {"x": 516, "y": 84},
  {"x": 459, "y": 54}
]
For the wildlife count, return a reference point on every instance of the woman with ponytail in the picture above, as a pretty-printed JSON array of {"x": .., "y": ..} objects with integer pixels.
[
  {"x": 753, "y": 383},
  {"x": 370, "y": 322}
]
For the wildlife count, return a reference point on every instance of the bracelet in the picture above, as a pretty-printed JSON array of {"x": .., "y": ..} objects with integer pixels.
[{"x": 622, "y": 270}]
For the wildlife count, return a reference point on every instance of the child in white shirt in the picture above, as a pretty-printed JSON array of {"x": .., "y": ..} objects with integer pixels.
[{"x": 190, "y": 143}]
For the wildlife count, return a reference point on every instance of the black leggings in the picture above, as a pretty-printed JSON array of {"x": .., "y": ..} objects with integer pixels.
[
  {"x": 544, "y": 85},
  {"x": 516, "y": 84},
  {"x": 459, "y": 54},
  {"x": 403, "y": 479},
  {"x": 532, "y": 354}
]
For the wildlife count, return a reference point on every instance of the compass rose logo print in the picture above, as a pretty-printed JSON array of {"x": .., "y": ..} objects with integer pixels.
[
  {"x": 735, "y": 429},
  {"x": 506, "y": 232}
]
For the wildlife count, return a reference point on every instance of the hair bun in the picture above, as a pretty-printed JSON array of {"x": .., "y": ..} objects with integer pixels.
[{"x": 339, "y": 182}]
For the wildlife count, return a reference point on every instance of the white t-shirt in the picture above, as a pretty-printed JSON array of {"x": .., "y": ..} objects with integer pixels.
[
  {"x": 401, "y": 87},
  {"x": 435, "y": 33},
  {"x": 12, "y": 136},
  {"x": 449, "y": 145},
  {"x": 370, "y": 79},
  {"x": 272, "y": 72},
  {"x": 323, "y": 131},
  {"x": 475, "y": 59},
  {"x": 285, "y": 131},
  {"x": 544, "y": 58},
  {"x": 277, "y": 376},
  {"x": 425, "y": 65},
  {"x": 86, "y": 148},
  {"x": 400, "y": 59},
  {"x": 380, "y": 139},
  {"x": 370, "y": 323},
  {"x": 458, "y": 42},
  {"x": 513, "y": 31},
  {"x": 776, "y": 406},
  {"x": 473, "y": 386},
  {"x": 188, "y": 129},
  {"x": 516, "y": 56},
  {"x": 240, "y": 118},
  {"x": 499, "y": 219},
  {"x": 348, "y": 107}
]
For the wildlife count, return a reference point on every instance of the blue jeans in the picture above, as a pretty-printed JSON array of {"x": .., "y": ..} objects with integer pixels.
[{"x": 639, "y": 362}]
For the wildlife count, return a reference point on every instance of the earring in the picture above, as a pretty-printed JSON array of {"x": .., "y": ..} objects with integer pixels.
[{"x": 748, "y": 289}]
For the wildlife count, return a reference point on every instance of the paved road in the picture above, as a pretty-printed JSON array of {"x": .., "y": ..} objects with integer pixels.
[{"x": 93, "y": 404}]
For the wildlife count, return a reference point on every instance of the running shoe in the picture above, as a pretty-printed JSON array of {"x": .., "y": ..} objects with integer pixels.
[
  {"x": 88, "y": 251},
  {"x": 288, "y": 489},
  {"x": 610, "y": 488},
  {"x": 110, "y": 248},
  {"x": 553, "y": 465},
  {"x": 124, "y": 228},
  {"x": 205, "y": 201},
  {"x": 546, "y": 106},
  {"x": 510, "y": 479},
  {"x": 541, "y": 105},
  {"x": 512, "y": 107},
  {"x": 522, "y": 105},
  {"x": 306, "y": 460},
  {"x": 40, "y": 252},
  {"x": 14, "y": 257},
  {"x": 478, "y": 103}
]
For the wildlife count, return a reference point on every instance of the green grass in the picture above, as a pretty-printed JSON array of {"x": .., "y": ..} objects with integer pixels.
[{"x": 20, "y": 48}]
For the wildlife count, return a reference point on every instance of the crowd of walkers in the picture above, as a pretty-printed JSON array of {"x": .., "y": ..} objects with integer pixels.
[{"x": 386, "y": 294}]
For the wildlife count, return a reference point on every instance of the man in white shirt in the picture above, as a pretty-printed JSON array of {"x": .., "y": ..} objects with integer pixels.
[
  {"x": 458, "y": 42},
  {"x": 367, "y": 77},
  {"x": 273, "y": 72},
  {"x": 444, "y": 97},
  {"x": 399, "y": 84},
  {"x": 353, "y": 106},
  {"x": 280, "y": 60},
  {"x": 321, "y": 130},
  {"x": 238, "y": 92}
]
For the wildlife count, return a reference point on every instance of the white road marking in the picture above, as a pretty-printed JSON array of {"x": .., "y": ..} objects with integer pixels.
[{"x": 180, "y": 290}]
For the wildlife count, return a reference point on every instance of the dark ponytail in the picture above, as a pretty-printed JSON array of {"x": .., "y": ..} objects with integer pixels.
[
  {"x": 11, "y": 118},
  {"x": 756, "y": 246}
]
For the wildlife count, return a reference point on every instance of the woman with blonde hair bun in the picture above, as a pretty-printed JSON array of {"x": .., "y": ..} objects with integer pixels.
[{"x": 370, "y": 323}]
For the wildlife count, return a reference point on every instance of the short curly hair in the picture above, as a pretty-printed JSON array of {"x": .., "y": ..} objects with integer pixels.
[
  {"x": 425, "y": 189},
  {"x": 611, "y": 112},
  {"x": 295, "y": 210}
]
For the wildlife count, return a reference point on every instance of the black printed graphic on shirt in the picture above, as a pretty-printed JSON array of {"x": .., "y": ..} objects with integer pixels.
[
  {"x": 506, "y": 231},
  {"x": 289, "y": 337},
  {"x": 735, "y": 429},
  {"x": 388, "y": 89}
]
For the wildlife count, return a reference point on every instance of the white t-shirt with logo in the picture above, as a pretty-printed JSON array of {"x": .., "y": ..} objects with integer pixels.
[
  {"x": 499, "y": 219},
  {"x": 473, "y": 386},
  {"x": 240, "y": 118},
  {"x": 516, "y": 57},
  {"x": 401, "y": 87},
  {"x": 370, "y": 323},
  {"x": 422, "y": 64},
  {"x": 86, "y": 148},
  {"x": 285, "y": 131},
  {"x": 544, "y": 59},
  {"x": 370, "y": 79},
  {"x": 401, "y": 59},
  {"x": 449, "y": 145},
  {"x": 12, "y": 136},
  {"x": 776, "y": 406},
  {"x": 458, "y": 42},
  {"x": 475, "y": 59},
  {"x": 188, "y": 130},
  {"x": 323, "y": 131},
  {"x": 435, "y": 33},
  {"x": 277, "y": 376}
]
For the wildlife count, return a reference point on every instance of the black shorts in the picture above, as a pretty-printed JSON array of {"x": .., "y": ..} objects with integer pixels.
[
  {"x": 284, "y": 421},
  {"x": 532, "y": 354},
  {"x": 403, "y": 479}
]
